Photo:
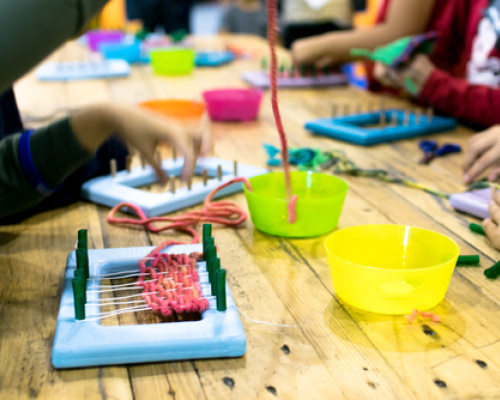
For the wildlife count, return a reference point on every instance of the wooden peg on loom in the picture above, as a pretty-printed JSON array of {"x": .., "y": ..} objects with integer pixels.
[
  {"x": 190, "y": 182},
  {"x": 219, "y": 172},
  {"x": 383, "y": 119},
  {"x": 112, "y": 167},
  {"x": 335, "y": 108},
  {"x": 406, "y": 118},
  {"x": 358, "y": 109},
  {"x": 172, "y": 184},
  {"x": 128, "y": 163},
  {"x": 430, "y": 114},
  {"x": 143, "y": 162},
  {"x": 205, "y": 177},
  {"x": 174, "y": 153},
  {"x": 235, "y": 167},
  {"x": 346, "y": 109},
  {"x": 418, "y": 116}
]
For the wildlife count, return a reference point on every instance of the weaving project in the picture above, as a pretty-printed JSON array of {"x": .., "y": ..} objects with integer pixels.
[{"x": 183, "y": 285}]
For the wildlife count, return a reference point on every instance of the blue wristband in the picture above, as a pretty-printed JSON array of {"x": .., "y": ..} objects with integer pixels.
[{"x": 29, "y": 168}]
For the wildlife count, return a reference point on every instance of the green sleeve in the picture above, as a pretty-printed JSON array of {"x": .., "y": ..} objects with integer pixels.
[
  {"x": 32, "y": 29},
  {"x": 56, "y": 154}
]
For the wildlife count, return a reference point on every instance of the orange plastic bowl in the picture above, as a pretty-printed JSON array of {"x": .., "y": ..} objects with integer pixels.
[{"x": 183, "y": 110}]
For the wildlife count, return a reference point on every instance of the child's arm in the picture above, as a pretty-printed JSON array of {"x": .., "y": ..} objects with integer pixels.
[
  {"x": 59, "y": 149},
  {"x": 404, "y": 18},
  {"x": 32, "y": 29},
  {"x": 456, "y": 97}
]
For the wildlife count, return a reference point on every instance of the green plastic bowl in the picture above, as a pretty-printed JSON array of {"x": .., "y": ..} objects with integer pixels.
[
  {"x": 172, "y": 61},
  {"x": 320, "y": 199}
]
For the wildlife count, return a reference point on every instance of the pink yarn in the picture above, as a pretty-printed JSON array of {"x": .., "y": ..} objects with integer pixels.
[{"x": 224, "y": 212}]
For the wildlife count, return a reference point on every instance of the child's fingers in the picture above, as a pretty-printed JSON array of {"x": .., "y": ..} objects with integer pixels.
[
  {"x": 492, "y": 231},
  {"x": 480, "y": 165},
  {"x": 162, "y": 177},
  {"x": 495, "y": 210},
  {"x": 494, "y": 174}
]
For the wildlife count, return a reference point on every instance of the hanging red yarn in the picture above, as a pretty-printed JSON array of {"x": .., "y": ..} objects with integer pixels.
[{"x": 272, "y": 16}]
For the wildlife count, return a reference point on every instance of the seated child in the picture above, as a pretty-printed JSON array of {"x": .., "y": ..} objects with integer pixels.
[
  {"x": 462, "y": 77},
  {"x": 304, "y": 18},
  {"x": 245, "y": 16},
  {"x": 35, "y": 165}
]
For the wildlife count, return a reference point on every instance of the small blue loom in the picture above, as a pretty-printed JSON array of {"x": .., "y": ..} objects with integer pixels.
[
  {"x": 110, "y": 191},
  {"x": 79, "y": 70},
  {"x": 355, "y": 128},
  {"x": 213, "y": 58},
  {"x": 88, "y": 343}
]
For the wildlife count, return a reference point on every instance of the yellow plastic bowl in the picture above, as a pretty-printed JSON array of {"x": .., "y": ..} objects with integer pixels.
[
  {"x": 172, "y": 61},
  {"x": 320, "y": 201},
  {"x": 391, "y": 269}
]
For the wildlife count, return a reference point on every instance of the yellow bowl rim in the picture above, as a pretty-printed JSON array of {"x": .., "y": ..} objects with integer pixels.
[{"x": 457, "y": 248}]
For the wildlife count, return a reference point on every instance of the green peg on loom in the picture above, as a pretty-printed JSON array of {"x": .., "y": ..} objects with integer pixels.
[
  {"x": 207, "y": 233},
  {"x": 263, "y": 63},
  {"x": 476, "y": 228},
  {"x": 493, "y": 272},
  {"x": 208, "y": 242},
  {"x": 214, "y": 267},
  {"x": 468, "y": 260},
  {"x": 82, "y": 261},
  {"x": 82, "y": 239},
  {"x": 211, "y": 254},
  {"x": 221, "y": 290},
  {"x": 78, "y": 297},
  {"x": 80, "y": 274}
]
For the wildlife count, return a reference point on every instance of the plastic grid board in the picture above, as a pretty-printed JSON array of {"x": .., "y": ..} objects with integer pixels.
[
  {"x": 78, "y": 70},
  {"x": 474, "y": 203},
  {"x": 213, "y": 59},
  {"x": 88, "y": 343},
  {"x": 110, "y": 191},
  {"x": 260, "y": 79},
  {"x": 351, "y": 128}
]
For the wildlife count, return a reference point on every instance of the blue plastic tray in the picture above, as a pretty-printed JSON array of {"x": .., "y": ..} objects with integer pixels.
[
  {"x": 88, "y": 343},
  {"x": 76, "y": 70},
  {"x": 213, "y": 59},
  {"x": 355, "y": 128}
]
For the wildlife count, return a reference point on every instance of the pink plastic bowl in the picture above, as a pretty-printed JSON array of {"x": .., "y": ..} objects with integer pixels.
[
  {"x": 233, "y": 104},
  {"x": 95, "y": 38}
]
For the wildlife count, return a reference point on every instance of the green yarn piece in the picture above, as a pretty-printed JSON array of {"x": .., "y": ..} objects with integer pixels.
[{"x": 387, "y": 54}]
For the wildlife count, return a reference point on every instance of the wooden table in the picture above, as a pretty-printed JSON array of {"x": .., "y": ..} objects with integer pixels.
[{"x": 336, "y": 351}]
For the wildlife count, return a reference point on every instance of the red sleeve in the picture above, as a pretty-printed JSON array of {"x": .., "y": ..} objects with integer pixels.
[{"x": 456, "y": 97}]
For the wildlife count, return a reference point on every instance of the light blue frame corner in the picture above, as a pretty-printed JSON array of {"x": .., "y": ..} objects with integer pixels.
[
  {"x": 88, "y": 343},
  {"x": 110, "y": 191}
]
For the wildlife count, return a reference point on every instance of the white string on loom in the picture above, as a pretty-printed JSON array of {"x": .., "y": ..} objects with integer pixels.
[{"x": 264, "y": 322}]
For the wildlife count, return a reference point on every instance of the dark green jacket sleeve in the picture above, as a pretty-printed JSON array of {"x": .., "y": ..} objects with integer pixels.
[
  {"x": 56, "y": 154},
  {"x": 32, "y": 29}
]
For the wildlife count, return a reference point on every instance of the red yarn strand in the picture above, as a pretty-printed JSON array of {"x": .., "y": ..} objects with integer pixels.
[{"x": 271, "y": 38}]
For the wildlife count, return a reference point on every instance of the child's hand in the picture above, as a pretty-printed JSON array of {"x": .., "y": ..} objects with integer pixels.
[
  {"x": 143, "y": 131},
  {"x": 483, "y": 152},
  {"x": 309, "y": 51},
  {"x": 490, "y": 225},
  {"x": 411, "y": 78}
]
